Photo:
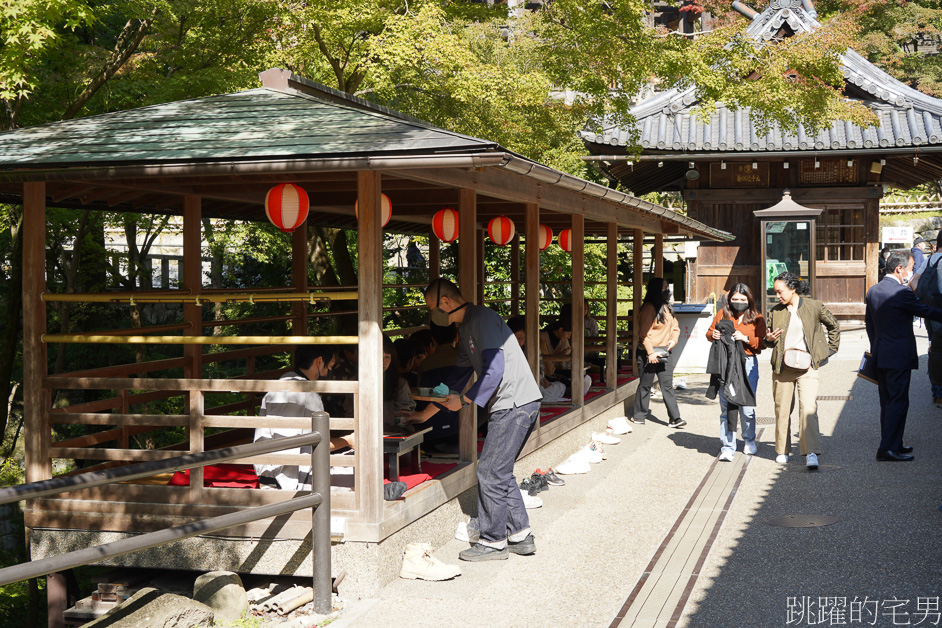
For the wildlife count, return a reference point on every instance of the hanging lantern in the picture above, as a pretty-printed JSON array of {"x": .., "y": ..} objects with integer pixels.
[
  {"x": 387, "y": 209},
  {"x": 445, "y": 224},
  {"x": 546, "y": 237},
  {"x": 501, "y": 230},
  {"x": 286, "y": 206},
  {"x": 565, "y": 240}
]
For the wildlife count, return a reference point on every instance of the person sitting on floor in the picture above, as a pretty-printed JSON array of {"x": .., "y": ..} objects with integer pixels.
[
  {"x": 552, "y": 391},
  {"x": 397, "y": 398}
]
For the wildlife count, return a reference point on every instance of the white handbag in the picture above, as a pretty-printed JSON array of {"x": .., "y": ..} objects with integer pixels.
[{"x": 798, "y": 359}]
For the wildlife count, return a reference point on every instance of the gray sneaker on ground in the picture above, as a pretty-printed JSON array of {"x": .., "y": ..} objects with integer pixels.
[
  {"x": 525, "y": 547},
  {"x": 477, "y": 553}
]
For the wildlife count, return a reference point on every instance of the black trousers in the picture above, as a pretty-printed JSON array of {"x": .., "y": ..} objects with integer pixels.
[
  {"x": 665, "y": 376},
  {"x": 894, "y": 406}
]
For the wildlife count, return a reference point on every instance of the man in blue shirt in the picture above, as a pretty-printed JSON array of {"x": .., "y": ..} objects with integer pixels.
[{"x": 508, "y": 392}]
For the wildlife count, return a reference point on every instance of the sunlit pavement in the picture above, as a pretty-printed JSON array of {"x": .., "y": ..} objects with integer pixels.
[{"x": 639, "y": 517}]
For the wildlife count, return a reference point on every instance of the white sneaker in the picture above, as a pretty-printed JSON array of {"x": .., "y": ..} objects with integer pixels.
[
  {"x": 619, "y": 425},
  {"x": 590, "y": 454},
  {"x": 531, "y": 501},
  {"x": 726, "y": 456},
  {"x": 573, "y": 465},
  {"x": 656, "y": 394},
  {"x": 811, "y": 461},
  {"x": 606, "y": 438},
  {"x": 419, "y": 564},
  {"x": 750, "y": 448},
  {"x": 468, "y": 532},
  {"x": 680, "y": 384},
  {"x": 781, "y": 458},
  {"x": 597, "y": 446}
]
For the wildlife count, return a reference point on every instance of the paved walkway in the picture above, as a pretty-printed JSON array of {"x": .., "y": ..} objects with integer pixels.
[{"x": 661, "y": 534}]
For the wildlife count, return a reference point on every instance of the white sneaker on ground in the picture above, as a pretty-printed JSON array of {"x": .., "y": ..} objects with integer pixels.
[
  {"x": 656, "y": 394},
  {"x": 619, "y": 425},
  {"x": 573, "y": 465},
  {"x": 419, "y": 564},
  {"x": 811, "y": 461},
  {"x": 781, "y": 458},
  {"x": 750, "y": 448},
  {"x": 468, "y": 532},
  {"x": 591, "y": 453},
  {"x": 531, "y": 501},
  {"x": 680, "y": 384},
  {"x": 606, "y": 438},
  {"x": 726, "y": 456}
]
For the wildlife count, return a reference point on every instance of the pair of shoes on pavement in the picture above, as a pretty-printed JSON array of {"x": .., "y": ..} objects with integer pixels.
[
  {"x": 607, "y": 437},
  {"x": 593, "y": 452},
  {"x": 419, "y": 564},
  {"x": 619, "y": 425},
  {"x": 550, "y": 477},
  {"x": 480, "y": 553},
  {"x": 534, "y": 484},
  {"x": 574, "y": 465}
]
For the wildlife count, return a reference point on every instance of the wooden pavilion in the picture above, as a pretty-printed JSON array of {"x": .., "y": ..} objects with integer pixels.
[
  {"x": 217, "y": 157},
  {"x": 727, "y": 170}
]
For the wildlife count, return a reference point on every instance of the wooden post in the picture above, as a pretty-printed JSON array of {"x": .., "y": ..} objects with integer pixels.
[
  {"x": 193, "y": 314},
  {"x": 467, "y": 283},
  {"x": 531, "y": 278},
  {"x": 611, "y": 308},
  {"x": 578, "y": 310},
  {"x": 479, "y": 240},
  {"x": 299, "y": 278},
  {"x": 637, "y": 290},
  {"x": 35, "y": 397},
  {"x": 515, "y": 276},
  {"x": 658, "y": 254},
  {"x": 369, "y": 410},
  {"x": 434, "y": 256},
  {"x": 872, "y": 239}
]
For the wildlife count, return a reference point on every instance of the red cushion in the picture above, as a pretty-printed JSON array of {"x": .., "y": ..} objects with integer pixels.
[{"x": 220, "y": 476}]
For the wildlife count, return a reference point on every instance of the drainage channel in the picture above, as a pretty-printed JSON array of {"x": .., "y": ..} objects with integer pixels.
[{"x": 662, "y": 591}]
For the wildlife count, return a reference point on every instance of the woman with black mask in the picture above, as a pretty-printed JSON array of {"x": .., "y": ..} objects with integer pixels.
[
  {"x": 658, "y": 333},
  {"x": 750, "y": 329}
]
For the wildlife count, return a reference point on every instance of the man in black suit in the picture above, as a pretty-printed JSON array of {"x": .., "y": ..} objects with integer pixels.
[{"x": 891, "y": 306}]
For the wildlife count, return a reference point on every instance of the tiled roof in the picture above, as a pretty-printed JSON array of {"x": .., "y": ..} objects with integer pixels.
[{"x": 667, "y": 121}]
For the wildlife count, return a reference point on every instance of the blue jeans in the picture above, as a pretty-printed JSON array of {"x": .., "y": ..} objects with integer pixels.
[
  {"x": 501, "y": 512},
  {"x": 747, "y": 414}
]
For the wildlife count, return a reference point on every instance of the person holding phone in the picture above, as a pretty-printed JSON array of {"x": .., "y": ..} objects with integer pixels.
[{"x": 799, "y": 349}]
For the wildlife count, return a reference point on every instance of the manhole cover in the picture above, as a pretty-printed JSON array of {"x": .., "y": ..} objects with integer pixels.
[
  {"x": 765, "y": 420},
  {"x": 800, "y": 468},
  {"x": 835, "y": 398},
  {"x": 802, "y": 521}
]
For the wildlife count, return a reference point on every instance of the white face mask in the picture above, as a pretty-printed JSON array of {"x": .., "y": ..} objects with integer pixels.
[{"x": 907, "y": 277}]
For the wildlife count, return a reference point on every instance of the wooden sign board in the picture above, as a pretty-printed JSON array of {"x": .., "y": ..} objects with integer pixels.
[
  {"x": 739, "y": 175},
  {"x": 828, "y": 172}
]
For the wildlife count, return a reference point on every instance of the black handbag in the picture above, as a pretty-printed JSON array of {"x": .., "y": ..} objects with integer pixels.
[
  {"x": 663, "y": 354},
  {"x": 868, "y": 368}
]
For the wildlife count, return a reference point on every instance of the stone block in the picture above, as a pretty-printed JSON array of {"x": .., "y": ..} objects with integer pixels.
[{"x": 156, "y": 609}]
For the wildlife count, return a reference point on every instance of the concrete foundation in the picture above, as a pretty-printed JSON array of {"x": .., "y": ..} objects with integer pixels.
[{"x": 367, "y": 566}]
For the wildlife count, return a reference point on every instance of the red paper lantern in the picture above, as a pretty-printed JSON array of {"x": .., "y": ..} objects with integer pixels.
[
  {"x": 286, "y": 206},
  {"x": 386, "y": 205},
  {"x": 546, "y": 237},
  {"x": 565, "y": 240},
  {"x": 501, "y": 230},
  {"x": 445, "y": 224}
]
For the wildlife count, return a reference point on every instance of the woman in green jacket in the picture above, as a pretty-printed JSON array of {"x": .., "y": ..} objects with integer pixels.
[{"x": 799, "y": 349}]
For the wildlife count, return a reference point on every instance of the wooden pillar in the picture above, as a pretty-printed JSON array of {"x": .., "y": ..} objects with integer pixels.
[
  {"x": 299, "y": 278},
  {"x": 434, "y": 256},
  {"x": 369, "y": 410},
  {"x": 611, "y": 307},
  {"x": 515, "y": 276},
  {"x": 578, "y": 309},
  {"x": 468, "y": 279},
  {"x": 479, "y": 239},
  {"x": 193, "y": 314},
  {"x": 872, "y": 239},
  {"x": 658, "y": 255},
  {"x": 637, "y": 290},
  {"x": 531, "y": 278},
  {"x": 36, "y": 434}
]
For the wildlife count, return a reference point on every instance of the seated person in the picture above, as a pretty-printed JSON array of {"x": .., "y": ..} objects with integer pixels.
[
  {"x": 346, "y": 369},
  {"x": 445, "y": 353},
  {"x": 397, "y": 398},
  {"x": 405, "y": 354},
  {"x": 551, "y": 391},
  {"x": 427, "y": 340},
  {"x": 555, "y": 350},
  {"x": 311, "y": 363}
]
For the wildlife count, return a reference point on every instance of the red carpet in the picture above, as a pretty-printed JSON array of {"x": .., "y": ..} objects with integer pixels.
[{"x": 220, "y": 476}]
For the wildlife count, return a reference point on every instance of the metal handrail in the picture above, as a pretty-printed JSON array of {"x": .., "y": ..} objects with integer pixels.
[{"x": 319, "y": 500}]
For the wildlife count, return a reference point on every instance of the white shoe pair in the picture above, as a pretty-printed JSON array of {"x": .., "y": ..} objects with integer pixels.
[
  {"x": 607, "y": 437},
  {"x": 419, "y": 564},
  {"x": 619, "y": 425},
  {"x": 573, "y": 465}
]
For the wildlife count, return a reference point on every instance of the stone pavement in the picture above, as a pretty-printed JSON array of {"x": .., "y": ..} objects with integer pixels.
[{"x": 638, "y": 526}]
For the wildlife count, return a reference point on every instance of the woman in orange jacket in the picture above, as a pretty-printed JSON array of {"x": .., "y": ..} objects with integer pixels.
[
  {"x": 750, "y": 327},
  {"x": 658, "y": 332}
]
